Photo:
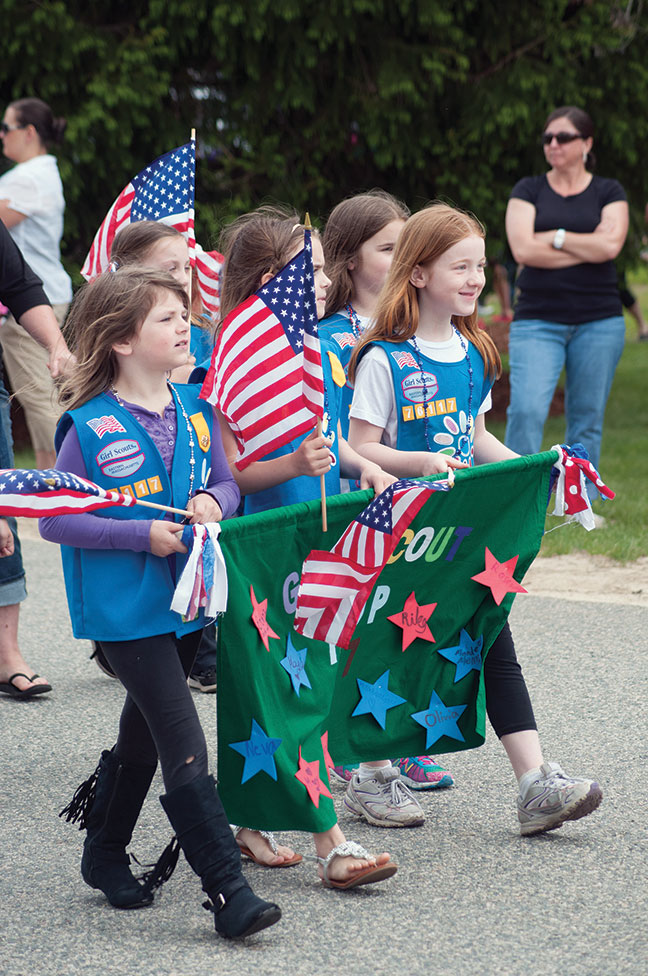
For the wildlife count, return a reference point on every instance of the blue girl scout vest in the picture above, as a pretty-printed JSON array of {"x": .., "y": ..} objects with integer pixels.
[
  {"x": 339, "y": 332},
  {"x": 447, "y": 394},
  {"x": 118, "y": 594},
  {"x": 306, "y": 488}
]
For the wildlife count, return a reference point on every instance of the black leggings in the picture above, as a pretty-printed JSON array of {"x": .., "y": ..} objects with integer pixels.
[
  {"x": 507, "y": 699},
  {"x": 159, "y": 717}
]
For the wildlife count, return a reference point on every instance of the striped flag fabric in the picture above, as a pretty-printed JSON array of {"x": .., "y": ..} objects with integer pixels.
[
  {"x": 266, "y": 369},
  {"x": 335, "y": 585},
  {"x": 209, "y": 265},
  {"x": 163, "y": 191},
  {"x": 36, "y": 493}
]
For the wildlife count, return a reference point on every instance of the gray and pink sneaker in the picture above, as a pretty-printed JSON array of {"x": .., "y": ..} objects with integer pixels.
[{"x": 423, "y": 773}]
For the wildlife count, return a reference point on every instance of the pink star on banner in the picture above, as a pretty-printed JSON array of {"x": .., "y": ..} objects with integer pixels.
[
  {"x": 259, "y": 611},
  {"x": 328, "y": 761},
  {"x": 308, "y": 774},
  {"x": 413, "y": 618},
  {"x": 499, "y": 577}
]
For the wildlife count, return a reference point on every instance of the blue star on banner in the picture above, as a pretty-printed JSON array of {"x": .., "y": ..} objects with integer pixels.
[
  {"x": 439, "y": 720},
  {"x": 258, "y": 752},
  {"x": 294, "y": 663},
  {"x": 376, "y": 698},
  {"x": 467, "y": 654}
]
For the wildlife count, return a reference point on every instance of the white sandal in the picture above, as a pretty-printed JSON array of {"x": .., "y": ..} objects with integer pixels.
[
  {"x": 272, "y": 841},
  {"x": 368, "y": 875}
]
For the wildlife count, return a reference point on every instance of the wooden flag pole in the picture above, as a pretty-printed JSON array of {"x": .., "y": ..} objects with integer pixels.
[
  {"x": 138, "y": 501},
  {"x": 164, "y": 508},
  {"x": 309, "y": 226}
]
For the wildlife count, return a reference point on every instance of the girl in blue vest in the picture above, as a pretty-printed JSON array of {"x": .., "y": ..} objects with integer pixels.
[
  {"x": 359, "y": 241},
  {"x": 127, "y": 427},
  {"x": 152, "y": 244},
  {"x": 256, "y": 247},
  {"x": 422, "y": 375}
]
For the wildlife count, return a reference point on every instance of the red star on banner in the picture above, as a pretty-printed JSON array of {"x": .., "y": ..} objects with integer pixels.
[
  {"x": 328, "y": 762},
  {"x": 499, "y": 576},
  {"x": 413, "y": 618},
  {"x": 308, "y": 774},
  {"x": 259, "y": 611}
]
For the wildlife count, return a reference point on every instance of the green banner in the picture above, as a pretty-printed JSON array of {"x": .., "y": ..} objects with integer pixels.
[{"x": 415, "y": 683}]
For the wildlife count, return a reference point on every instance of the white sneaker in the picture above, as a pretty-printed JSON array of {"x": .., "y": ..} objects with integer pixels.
[
  {"x": 384, "y": 800},
  {"x": 548, "y": 798}
]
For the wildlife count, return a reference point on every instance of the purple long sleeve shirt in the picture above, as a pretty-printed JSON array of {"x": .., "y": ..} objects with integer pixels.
[{"x": 86, "y": 530}]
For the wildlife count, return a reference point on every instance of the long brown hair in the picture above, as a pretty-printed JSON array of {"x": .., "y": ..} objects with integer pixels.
[
  {"x": 255, "y": 244},
  {"x": 105, "y": 312},
  {"x": 351, "y": 223},
  {"x": 424, "y": 238}
]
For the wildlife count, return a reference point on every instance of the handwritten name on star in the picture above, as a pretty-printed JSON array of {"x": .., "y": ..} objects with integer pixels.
[{"x": 413, "y": 618}]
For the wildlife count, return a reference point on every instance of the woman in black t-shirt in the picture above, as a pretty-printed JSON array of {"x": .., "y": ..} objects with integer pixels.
[{"x": 565, "y": 228}]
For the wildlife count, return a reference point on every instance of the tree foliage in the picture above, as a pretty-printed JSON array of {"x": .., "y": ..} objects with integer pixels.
[{"x": 307, "y": 102}]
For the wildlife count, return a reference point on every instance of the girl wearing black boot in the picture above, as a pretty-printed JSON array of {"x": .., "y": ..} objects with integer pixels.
[{"x": 126, "y": 427}]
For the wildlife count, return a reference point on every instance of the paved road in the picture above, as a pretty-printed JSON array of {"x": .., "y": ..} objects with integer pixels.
[{"x": 471, "y": 895}]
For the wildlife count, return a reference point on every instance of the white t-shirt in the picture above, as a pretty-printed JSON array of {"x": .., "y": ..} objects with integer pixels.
[
  {"x": 374, "y": 399},
  {"x": 34, "y": 188}
]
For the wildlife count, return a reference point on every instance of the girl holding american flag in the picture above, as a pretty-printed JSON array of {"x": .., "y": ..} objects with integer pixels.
[
  {"x": 258, "y": 247},
  {"x": 125, "y": 424}
]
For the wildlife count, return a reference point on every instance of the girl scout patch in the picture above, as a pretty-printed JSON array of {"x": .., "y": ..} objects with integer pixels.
[{"x": 199, "y": 424}]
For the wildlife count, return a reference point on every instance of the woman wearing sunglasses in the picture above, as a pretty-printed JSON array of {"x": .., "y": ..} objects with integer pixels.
[
  {"x": 31, "y": 207},
  {"x": 565, "y": 228}
]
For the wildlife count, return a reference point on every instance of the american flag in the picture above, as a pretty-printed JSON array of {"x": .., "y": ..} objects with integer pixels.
[
  {"x": 335, "y": 585},
  {"x": 404, "y": 359},
  {"x": 163, "y": 191},
  {"x": 209, "y": 265},
  {"x": 34, "y": 493},
  {"x": 108, "y": 424},
  {"x": 266, "y": 369}
]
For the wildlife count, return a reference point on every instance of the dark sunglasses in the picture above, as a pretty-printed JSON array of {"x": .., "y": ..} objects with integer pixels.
[
  {"x": 4, "y": 128},
  {"x": 562, "y": 138}
]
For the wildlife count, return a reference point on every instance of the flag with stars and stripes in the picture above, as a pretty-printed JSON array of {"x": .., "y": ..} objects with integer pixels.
[
  {"x": 335, "y": 585},
  {"x": 266, "y": 369},
  {"x": 209, "y": 265},
  {"x": 163, "y": 191},
  {"x": 34, "y": 493}
]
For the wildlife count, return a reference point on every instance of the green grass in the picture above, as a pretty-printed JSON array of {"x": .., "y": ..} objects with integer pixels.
[
  {"x": 624, "y": 459},
  {"x": 24, "y": 458}
]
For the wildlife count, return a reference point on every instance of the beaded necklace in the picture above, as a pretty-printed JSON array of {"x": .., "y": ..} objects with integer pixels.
[
  {"x": 354, "y": 319},
  {"x": 419, "y": 363},
  {"x": 192, "y": 455}
]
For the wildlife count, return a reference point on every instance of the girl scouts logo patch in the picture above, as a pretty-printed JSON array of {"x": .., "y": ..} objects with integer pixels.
[
  {"x": 120, "y": 459},
  {"x": 415, "y": 391},
  {"x": 199, "y": 424}
]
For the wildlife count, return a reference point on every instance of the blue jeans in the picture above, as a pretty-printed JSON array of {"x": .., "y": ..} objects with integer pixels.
[{"x": 538, "y": 351}]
